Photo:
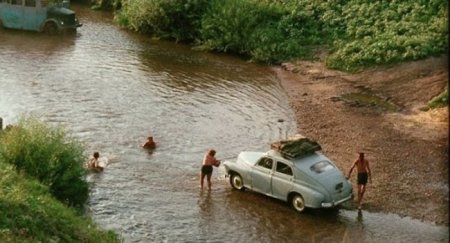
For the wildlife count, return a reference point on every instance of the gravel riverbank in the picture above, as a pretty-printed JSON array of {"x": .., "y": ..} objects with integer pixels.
[{"x": 378, "y": 111}]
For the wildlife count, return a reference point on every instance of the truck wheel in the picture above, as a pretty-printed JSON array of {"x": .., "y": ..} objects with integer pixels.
[
  {"x": 298, "y": 203},
  {"x": 236, "y": 181},
  {"x": 50, "y": 28}
]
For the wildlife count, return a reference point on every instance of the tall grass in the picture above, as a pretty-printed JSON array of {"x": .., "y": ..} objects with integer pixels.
[
  {"x": 30, "y": 214},
  {"x": 50, "y": 155},
  {"x": 439, "y": 101}
]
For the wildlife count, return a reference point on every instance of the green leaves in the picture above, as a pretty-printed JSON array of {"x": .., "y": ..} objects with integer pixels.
[
  {"x": 360, "y": 33},
  {"x": 49, "y": 155},
  {"x": 387, "y": 32}
]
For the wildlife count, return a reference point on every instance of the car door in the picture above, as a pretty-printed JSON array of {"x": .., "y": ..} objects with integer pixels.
[
  {"x": 282, "y": 180},
  {"x": 34, "y": 15},
  {"x": 13, "y": 14},
  {"x": 261, "y": 175}
]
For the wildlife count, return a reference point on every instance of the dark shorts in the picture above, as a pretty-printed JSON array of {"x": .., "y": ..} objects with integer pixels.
[
  {"x": 207, "y": 169},
  {"x": 362, "y": 178}
]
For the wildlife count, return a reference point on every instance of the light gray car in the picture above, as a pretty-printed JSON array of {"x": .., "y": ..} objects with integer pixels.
[{"x": 308, "y": 182}]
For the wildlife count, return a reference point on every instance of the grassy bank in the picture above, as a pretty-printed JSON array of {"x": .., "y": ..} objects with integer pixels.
[
  {"x": 355, "y": 33},
  {"x": 43, "y": 188},
  {"x": 31, "y": 214}
]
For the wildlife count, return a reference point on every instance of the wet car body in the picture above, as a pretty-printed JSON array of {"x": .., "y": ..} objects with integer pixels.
[{"x": 312, "y": 181}]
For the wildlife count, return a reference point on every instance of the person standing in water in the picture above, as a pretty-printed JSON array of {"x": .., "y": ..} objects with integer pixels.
[
  {"x": 362, "y": 166},
  {"x": 207, "y": 167}
]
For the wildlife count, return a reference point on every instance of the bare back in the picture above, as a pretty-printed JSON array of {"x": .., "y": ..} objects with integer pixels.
[{"x": 362, "y": 165}]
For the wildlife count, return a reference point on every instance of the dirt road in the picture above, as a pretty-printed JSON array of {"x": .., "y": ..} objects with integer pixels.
[{"x": 378, "y": 111}]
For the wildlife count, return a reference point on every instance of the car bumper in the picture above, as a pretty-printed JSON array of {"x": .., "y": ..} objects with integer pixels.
[{"x": 334, "y": 204}]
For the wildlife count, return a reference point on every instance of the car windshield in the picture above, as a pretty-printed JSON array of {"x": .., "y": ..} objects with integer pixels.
[{"x": 321, "y": 166}]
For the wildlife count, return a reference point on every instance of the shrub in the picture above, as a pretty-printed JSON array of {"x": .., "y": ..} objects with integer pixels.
[
  {"x": 30, "y": 214},
  {"x": 359, "y": 33},
  {"x": 169, "y": 19},
  {"x": 267, "y": 32},
  {"x": 49, "y": 155},
  {"x": 374, "y": 33}
]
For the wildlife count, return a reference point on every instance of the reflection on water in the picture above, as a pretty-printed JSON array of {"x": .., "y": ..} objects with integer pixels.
[{"x": 112, "y": 89}]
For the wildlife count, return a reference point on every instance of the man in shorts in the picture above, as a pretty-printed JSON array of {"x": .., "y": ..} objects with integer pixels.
[
  {"x": 362, "y": 166},
  {"x": 207, "y": 167}
]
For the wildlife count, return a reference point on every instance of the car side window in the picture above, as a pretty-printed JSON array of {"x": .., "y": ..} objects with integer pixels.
[
  {"x": 266, "y": 163},
  {"x": 284, "y": 168}
]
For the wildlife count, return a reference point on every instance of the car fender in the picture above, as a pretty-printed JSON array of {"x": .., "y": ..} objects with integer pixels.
[
  {"x": 312, "y": 198},
  {"x": 241, "y": 169}
]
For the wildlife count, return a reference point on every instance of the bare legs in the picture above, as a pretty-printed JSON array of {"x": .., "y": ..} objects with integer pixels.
[
  {"x": 208, "y": 178},
  {"x": 361, "y": 190}
]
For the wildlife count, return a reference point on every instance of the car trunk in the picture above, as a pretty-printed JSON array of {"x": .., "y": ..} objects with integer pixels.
[{"x": 335, "y": 183}]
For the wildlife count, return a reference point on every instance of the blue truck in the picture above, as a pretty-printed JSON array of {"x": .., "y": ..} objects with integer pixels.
[{"x": 46, "y": 16}]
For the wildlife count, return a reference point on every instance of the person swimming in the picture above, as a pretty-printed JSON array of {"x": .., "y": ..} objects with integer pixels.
[
  {"x": 149, "y": 144},
  {"x": 94, "y": 163}
]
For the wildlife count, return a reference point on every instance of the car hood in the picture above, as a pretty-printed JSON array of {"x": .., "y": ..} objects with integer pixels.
[
  {"x": 250, "y": 157},
  {"x": 60, "y": 11}
]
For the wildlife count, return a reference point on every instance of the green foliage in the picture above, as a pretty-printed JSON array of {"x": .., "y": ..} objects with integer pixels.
[
  {"x": 170, "y": 19},
  {"x": 49, "y": 155},
  {"x": 359, "y": 33},
  {"x": 30, "y": 214},
  {"x": 267, "y": 32},
  {"x": 384, "y": 32},
  {"x": 439, "y": 101}
]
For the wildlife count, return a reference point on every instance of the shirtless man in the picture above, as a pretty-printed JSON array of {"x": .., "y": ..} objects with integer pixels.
[
  {"x": 207, "y": 167},
  {"x": 362, "y": 166}
]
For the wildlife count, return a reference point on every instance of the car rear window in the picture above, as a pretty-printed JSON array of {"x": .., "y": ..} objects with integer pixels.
[{"x": 321, "y": 166}]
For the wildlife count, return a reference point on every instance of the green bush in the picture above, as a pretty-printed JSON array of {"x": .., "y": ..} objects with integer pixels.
[
  {"x": 357, "y": 33},
  {"x": 169, "y": 19},
  {"x": 50, "y": 155},
  {"x": 383, "y": 32},
  {"x": 30, "y": 214},
  {"x": 266, "y": 32}
]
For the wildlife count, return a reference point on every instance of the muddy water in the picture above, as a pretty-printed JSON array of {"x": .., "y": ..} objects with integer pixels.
[{"x": 112, "y": 88}]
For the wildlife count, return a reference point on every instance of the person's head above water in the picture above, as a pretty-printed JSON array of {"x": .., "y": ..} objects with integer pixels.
[{"x": 96, "y": 155}]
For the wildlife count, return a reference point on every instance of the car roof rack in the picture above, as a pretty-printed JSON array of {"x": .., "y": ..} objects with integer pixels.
[{"x": 296, "y": 147}]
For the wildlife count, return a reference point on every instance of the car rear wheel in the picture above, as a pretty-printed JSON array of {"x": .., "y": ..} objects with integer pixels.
[
  {"x": 298, "y": 203},
  {"x": 236, "y": 181}
]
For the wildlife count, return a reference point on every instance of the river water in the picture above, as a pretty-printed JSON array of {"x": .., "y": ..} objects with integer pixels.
[{"x": 112, "y": 88}]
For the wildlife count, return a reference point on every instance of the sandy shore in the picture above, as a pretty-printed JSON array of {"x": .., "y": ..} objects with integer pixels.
[{"x": 407, "y": 148}]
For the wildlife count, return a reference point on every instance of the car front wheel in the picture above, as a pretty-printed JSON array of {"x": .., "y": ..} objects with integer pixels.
[
  {"x": 298, "y": 203},
  {"x": 50, "y": 28},
  {"x": 236, "y": 181}
]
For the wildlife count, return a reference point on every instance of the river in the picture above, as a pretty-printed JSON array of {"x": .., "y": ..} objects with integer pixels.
[{"x": 112, "y": 88}]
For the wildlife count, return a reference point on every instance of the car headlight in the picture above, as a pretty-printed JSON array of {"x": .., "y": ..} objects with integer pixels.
[{"x": 62, "y": 22}]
